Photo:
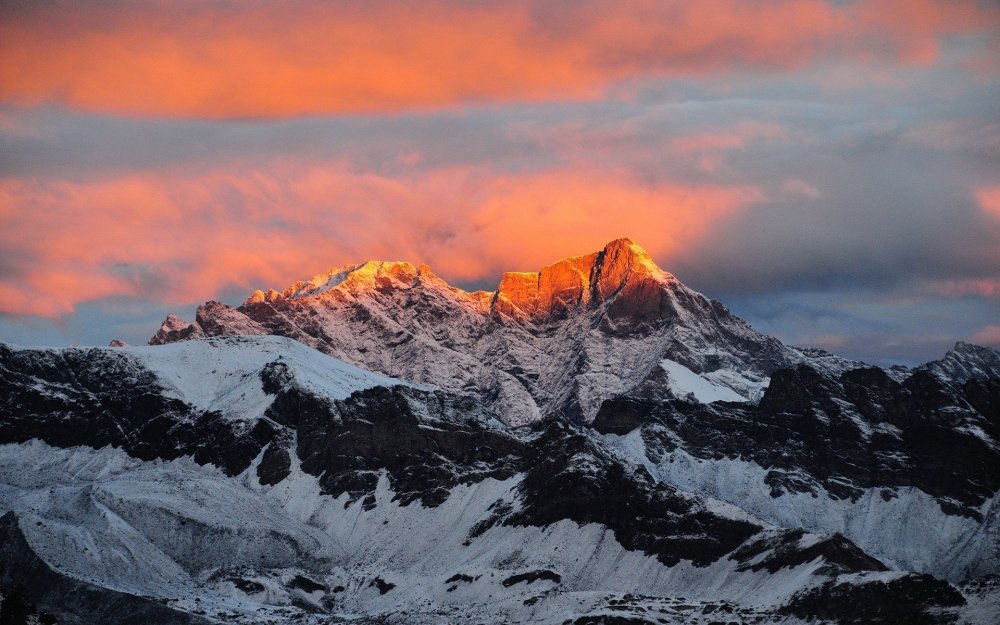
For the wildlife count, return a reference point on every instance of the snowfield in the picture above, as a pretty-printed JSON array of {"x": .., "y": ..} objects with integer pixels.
[
  {"x": 684, "y": 382},
  {"x": 908, "y": 531},
  {"x": 182, "y": 533},
  {"x": 223, "y": 374}
]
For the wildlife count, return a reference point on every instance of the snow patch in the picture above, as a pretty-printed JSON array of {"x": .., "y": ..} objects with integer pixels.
[
  {"x": 683, "y": 381},
  {"x": 909, "y": 531},
  {"x": 224, "y": 373}
]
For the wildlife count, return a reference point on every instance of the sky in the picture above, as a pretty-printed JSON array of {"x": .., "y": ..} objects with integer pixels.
[{"x": 830, "y": 170}]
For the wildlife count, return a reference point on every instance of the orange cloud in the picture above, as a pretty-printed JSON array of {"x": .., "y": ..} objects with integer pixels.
[
  {"x": 180, "y": 235},
  {"x": 561, "y": 214},
  {"x": 258, "y": 59},
  {"x": 987, "y": 335},
  {"x": 989, "y": 200}
]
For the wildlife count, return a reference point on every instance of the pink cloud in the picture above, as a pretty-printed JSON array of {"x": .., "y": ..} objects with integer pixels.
[
  {"x": 962, "y": 288},
  {"x": 989, "y": 200},
  {"x": 184, "y": 235},
  {"x": 987, "y": 335},
  {"x": 257, "y": 59}
]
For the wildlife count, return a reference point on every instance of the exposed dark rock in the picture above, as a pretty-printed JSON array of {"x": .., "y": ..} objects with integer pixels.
[
  {"x": 248, "y": 586},
  {"x": 569, "y": 477},
  {"x": 379, "y": 429},
  {"x": 274, "y": 466},
  {"x": 861, "y": 430},
  {"x": 304, "y": 583},
  {"x": 912, "y": 599},
  {"x": 274, "y": 377},
  {"x": 531, "y": 577},
  {"x": 460, "y": 577},
  {"x": 621, "y": 415},
  {"x": 382, "y": 585},
  {"x": 15, "y": 607},
  {"x": 499, "y": 510},
  {"x": 782, "y": 550}
]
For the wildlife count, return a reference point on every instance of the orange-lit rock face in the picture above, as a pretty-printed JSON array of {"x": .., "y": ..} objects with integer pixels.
[
  {"x": 622, "y": 275},
  {"x": 629, "y": 275},
  {"x": 553, "y": 291},
  {"x": 619, "y": 260},
  {"x": 622, "y": 267},
  {"x": 565, "y": 285},
  {"x": 517, "y": 294},
  {"x": 380, "y": 275}
]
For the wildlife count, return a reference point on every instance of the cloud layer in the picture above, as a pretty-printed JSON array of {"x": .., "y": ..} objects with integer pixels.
[
  {"x": 186, "y": 234},
  {"x": 264, "y": 59},
  {"x": 829, "y": 169}
]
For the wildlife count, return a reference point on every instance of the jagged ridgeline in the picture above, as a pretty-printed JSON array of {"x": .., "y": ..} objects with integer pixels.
[
  {"x": 556, "y": 342},
  {"x": 592, "y": 443}
]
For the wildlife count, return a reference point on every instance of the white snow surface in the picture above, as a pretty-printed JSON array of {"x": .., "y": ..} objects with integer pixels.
[
  {"x": 683, "y": 381},
  {"x": 181, "y": 532},
  {"x": 223, "y": 373},
  {"x": 909, "y": 531}
]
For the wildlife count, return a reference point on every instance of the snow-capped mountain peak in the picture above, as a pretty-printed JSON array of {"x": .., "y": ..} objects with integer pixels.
[
  {"x": 966, "y": 361},
  {"x": 577, "y": 282},
  {"x": 559, "y": 340},
  {"x": 253, "y": 479}
]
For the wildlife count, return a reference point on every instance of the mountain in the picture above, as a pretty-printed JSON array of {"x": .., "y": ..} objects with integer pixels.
[
  {"x": 966, "y": 362},
  {"x": 909, "y": 470},
  {"x": 559, "y": 341},
  {"x": 254, "y": 480},
  {"x": 594, "y": 443}
]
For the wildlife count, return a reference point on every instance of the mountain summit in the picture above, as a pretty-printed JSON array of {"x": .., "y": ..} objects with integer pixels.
[
  {"x": 536, "y": 296},
  {"x": 622, "y": 271},
  {"x": 560, "y": 340},
  {"x": 718, "y": 475}
]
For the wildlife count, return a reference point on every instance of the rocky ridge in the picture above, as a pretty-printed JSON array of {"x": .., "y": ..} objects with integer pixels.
[
  {"x": 339, "y": 491},
  {"x": 559, "y": 341}
]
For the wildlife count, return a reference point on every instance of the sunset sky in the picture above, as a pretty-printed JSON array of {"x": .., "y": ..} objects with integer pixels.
[{"x": 829, "y": 170}]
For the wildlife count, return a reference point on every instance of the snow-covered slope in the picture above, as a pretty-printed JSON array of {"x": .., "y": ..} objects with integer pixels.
[
  {"x": 233, "y": 551},
  {"x": 224, "y": 374},
  {"x": 909, "y": 471},
  {"x": 557, "y": 341},
  {"x": 125, "y": 478},
  {"x": 683, "y": 383}
]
